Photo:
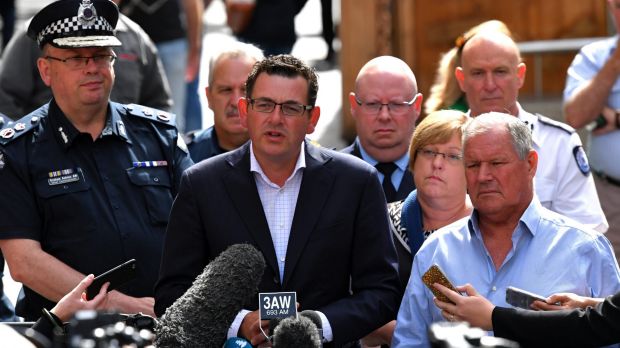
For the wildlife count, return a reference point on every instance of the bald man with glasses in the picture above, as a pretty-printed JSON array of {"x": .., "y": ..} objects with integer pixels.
[{"x": 385, "y": 106}]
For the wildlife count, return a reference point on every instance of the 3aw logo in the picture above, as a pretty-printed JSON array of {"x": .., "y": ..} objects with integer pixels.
[{"x": 277, "y": 305}]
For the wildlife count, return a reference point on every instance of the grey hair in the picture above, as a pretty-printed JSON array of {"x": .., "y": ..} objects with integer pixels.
[
  {"x": 520, "y": 133},
  {"x": 234, "y": 49}
]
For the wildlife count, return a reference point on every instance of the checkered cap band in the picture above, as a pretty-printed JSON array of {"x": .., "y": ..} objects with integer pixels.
[{"x": 73, "y": 24}]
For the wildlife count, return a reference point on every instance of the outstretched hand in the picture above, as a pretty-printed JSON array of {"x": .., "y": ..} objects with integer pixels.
[
  {"x": 565, "y": 301},
  {"x": 473, "y": 308},
  {"x": 76, "y": 300}
]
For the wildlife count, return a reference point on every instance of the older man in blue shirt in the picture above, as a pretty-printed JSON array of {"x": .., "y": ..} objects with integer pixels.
[{"x": 510, "y": 238}]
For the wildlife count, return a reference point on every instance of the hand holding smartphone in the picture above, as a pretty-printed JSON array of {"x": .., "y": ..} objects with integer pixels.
[
  {"x": 522, "y": 298},
  {"x": 117, "y": 276},
  {"x": 435, "y": 275}
]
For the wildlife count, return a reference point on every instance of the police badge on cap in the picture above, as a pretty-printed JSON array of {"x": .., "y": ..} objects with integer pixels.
[{"x": 76, "y": 23}]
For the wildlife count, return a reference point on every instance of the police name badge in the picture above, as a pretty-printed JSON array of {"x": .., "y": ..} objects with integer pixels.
[
  {"x": 277, "y": 305},
  {"x": 582, "y": 160},
  {"x": 64, "y": 176}
]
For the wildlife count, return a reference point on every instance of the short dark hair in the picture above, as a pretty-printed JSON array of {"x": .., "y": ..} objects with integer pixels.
[{"x": 287, "y": 66}]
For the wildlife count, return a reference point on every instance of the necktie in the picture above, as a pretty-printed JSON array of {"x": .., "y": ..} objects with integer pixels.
[{"x": 387, "y": 169}]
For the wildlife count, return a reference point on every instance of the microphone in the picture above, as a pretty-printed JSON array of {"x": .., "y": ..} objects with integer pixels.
[
  {"x": 298, "y": 332},
  {"x": 202, "y": 316},
  {"x": 237, "y": 342},
  {"x": 315, "y": 318}
]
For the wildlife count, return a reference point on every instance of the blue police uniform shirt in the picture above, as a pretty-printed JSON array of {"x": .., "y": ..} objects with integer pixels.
[
  {"x": 550, "y": 254},
  {"x": 602, "y": 149},
  {"x": 91, "y": 204},
  {"x": 203, "y": 144}
]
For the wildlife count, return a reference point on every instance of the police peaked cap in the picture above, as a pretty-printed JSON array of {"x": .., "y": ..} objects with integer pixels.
[{"x": 76, "y": 23}]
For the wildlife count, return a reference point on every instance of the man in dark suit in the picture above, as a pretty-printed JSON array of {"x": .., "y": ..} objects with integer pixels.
[
  {"x": 318, "y": 216},
  {"x": 596, "y": 322},
  {"x": 385, "y": 106}
]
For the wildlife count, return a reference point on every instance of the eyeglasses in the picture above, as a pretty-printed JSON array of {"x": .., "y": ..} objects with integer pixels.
[
  {"x": 452, "y": 158},
  {"x": 393, "y": 107},
  {"x": 289, "y": 109},
  {"x": 101, "y": 61}
]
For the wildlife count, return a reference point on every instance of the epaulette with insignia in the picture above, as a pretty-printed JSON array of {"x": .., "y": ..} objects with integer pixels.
[
  {"x": 150, "y": 113},
  {"x": 557, "y": 124},
  {"x": 14, "y": 130}
]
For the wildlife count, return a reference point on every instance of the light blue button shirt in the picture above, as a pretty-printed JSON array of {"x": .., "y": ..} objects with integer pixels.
[
  {"x": 402, "y": 165},
  {"x": 550, "y": 254}
]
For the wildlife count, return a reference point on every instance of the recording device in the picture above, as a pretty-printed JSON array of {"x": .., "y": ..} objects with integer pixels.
[
  {"x": 117, "y": 276},
  {"x": 435, "y": 275},
  {"x": 202, "y": 316},
  {"x": 90, "y": 328},
  {"x": 298, "y": 332},
  {"x": 237, "y": 342},
  {"x": 521, "y": 298},
  {"x": 459, "y": 335},
  {"x": 295, "y": 333}
]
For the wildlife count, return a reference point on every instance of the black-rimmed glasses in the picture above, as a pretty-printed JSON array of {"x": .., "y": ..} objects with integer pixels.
[
  {"x": 100, "y": 60},
  {"x": 393, "y": 107},
  {"x": 289, "y": 109}
]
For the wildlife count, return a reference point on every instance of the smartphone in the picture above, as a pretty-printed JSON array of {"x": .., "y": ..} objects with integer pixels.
[
  {"x": 117, "y": 276},
  {"x": 435, "y": 275},
  {"x": 521, "y": 298}
]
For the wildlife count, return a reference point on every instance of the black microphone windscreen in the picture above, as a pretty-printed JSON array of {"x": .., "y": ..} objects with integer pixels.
[
  {"x": 314, "y": 316},
  {"x": 296, "y": 333},
  {"x": 202, "y": 316}
]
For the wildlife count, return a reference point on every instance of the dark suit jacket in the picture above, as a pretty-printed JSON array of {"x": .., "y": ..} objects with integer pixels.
[
  {"x": 592, "y": 327},
  {"x": 339, "y": 239},
  {"x": 406, "y": 185}
]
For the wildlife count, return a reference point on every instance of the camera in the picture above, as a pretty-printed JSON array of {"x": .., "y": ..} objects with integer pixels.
[{"x": 93, "y": 329}]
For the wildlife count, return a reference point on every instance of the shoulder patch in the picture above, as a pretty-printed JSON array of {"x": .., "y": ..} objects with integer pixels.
[
  {"x": 151, "y": 114},
  {"x": 557, "y": 124},
  {"x": 582, "y": 160},
  {"x": 14, "y": 130}
]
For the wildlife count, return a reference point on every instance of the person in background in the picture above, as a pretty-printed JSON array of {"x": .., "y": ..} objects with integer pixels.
[
  {"x": 576, "y": 322},
  {"x": 272, "y": 36},
  {"x": 176, "y": 28},
  {"x": 86, "y": 183},
  {"x": 445, "y": 92},
  {"x": 491, "y": 74},
  {"x": 228, "y": 71},
  {"x": 7, "y": 310},
  {"x": 592, "y": 93},
  {"x": 440, "y": 198},
  {"x": 318, "y": 216},
  {"x": 7, "y": 12},
  {"x": 510, "y": 239},
  {"x": 140, "y": 77},
  {"x": 385, "y": 106}
]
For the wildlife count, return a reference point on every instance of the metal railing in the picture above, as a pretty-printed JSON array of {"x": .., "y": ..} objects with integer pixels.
[{"x": 540, "y": 47}]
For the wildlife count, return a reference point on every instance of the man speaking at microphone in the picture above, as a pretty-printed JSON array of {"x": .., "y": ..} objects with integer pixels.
[{"x": 319, "y": 217}]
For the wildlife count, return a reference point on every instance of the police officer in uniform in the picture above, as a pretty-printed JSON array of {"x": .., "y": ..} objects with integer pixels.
[
  {"x": 491, "y": 74},
  {"x": 592, "y": 100},
  {"x": 85, "y": 183}
]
